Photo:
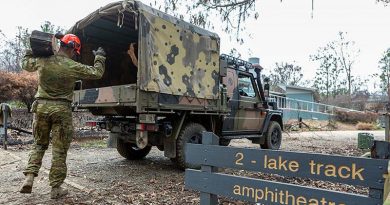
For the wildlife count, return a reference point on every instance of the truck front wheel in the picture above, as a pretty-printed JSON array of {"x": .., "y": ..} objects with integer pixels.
[
  {"x": 130, "y": 151},
  {"x": 273, "y": 137},
  {"x": 190, "y": 133}
]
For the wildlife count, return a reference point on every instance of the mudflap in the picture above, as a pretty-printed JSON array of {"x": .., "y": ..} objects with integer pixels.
[
  {"x": 141, "y": 139},
  {"x": 112, "y": 141},
  {"x": 170, "y": 147},
  {"x": 258, "y": 140}
]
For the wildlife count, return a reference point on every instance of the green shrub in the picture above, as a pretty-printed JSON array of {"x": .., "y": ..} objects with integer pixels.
[
  {"x": 355, "y": 116},
  {"x": 366, "y": 126}
]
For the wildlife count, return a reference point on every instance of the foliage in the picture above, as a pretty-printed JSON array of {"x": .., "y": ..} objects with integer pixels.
[
  {"x": 359, "y": 85},
  {"x": 18, "y": 87},
  {"x": 356, "y": 101},
  {"x": 16, "y": 104},
  {"x": 48, "y": 27},
  {"x": 327, "y": 75},
  {"x": 345, "y": 53},
  {"x": 385, "y": 2},
  {"x": 335, "y": 74},
  {"x": 287, "y": 74},
  {"x": 93, "y": 143},
  {"x": 234, "y": 52},
  {"x": 359, "y": 100},
  {"x": 13, "y": 50},
  {"x": 384, "y": 67},
  {"x": 233, "y": 13},
  {"x": 355, "y": 117},
  {"x": 366, "y": 126}
]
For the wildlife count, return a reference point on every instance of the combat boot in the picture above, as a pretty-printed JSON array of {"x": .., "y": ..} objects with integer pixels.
[
  {"x": 57, "y": 192},
  {"x": 27, "y": 184}
]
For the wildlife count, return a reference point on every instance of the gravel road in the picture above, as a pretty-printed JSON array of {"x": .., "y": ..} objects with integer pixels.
[{"x": 98, "y": 175}]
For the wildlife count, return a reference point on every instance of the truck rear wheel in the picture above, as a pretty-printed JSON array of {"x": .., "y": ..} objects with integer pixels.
[
  {"x": 190, "y": 133},
  {"x": 130, "y": 151},
  {"x": 273, "y": 137}
]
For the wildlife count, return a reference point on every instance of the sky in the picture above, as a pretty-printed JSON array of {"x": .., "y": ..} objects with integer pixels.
[{"x": 285, "y": 31}]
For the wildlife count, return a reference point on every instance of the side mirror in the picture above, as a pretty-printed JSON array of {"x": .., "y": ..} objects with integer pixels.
[{"x": 266, "y": 87}]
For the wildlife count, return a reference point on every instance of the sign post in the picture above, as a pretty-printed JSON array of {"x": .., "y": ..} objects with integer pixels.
[
  {"x": 387, "y": 127},
  {"x": 209, "y": 138},
  {"x": 5, "y": 112}
]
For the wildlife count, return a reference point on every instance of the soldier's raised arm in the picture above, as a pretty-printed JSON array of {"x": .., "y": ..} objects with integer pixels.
[
  {"x": 81, "y": 71},
  {"x": 29, "y": 63}
]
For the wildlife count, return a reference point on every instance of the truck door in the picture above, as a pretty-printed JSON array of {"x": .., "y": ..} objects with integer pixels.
[
  {"x": 251, "y": 114},
  {"x": 231, "y": 81}
]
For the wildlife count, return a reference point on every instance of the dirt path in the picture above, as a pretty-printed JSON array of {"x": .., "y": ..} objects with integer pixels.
[
  {"x": 99, "y": 175},
  {"x": 96, "y": 176}
]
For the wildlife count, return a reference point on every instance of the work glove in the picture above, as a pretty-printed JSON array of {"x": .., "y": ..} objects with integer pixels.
[
  {"x": 100, "y": 51},
  {"x": 59, "y": 35}
]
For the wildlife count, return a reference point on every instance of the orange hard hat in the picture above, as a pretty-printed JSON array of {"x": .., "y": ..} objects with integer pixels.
[{"x": 72, "y": 41}]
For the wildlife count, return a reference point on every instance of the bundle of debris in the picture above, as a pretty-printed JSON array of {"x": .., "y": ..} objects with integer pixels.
[{"x": 16, "y": 138}]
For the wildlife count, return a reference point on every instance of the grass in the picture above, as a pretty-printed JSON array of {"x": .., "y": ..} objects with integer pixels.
[
  {"x": 92, "y": 143},
  {"x": 16, "y": 104}
]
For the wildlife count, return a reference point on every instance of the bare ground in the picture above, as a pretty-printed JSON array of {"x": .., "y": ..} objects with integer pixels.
[{"x": 98, "y": 175}]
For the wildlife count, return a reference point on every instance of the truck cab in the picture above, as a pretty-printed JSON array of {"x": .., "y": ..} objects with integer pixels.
[{"x": 250, "y": 114}]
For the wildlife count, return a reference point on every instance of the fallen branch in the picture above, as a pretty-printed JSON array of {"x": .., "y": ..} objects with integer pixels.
[{"x": 19, "y": 130}]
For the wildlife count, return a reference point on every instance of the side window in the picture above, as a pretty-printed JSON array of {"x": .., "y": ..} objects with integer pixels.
[{"x": 245, "y": 86}]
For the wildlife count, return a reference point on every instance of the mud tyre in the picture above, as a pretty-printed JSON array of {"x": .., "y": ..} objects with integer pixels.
[
  {"x": 273, "y": 137},
  {"x": 190, "y": 133},
  {"x": 130, "y": 151}
]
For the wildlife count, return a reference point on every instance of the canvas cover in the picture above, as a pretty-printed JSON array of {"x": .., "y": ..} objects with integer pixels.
[
  {"x": 174, "y": 57},
  {"x": 116, "y": 9}
]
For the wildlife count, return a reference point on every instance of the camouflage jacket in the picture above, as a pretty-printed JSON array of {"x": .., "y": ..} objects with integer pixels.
[{"x": 58, "y": 74}]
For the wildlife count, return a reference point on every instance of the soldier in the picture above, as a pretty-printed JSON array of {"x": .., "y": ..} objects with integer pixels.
[{"x": 52, "y": 107}]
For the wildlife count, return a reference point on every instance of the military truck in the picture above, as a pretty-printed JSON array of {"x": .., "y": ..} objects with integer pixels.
[{"x": 166, "y": 82}]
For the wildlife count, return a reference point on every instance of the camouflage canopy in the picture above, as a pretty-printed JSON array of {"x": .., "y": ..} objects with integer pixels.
[{"x": 174, "y": 57}]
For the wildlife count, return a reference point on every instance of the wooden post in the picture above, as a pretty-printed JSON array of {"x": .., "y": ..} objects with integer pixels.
[
  {"x": 381, "y": 150},
  {"x": 5, "y": 110},
  {"x": 387, "y": 128},
  {"x": 209, "y": 138}
]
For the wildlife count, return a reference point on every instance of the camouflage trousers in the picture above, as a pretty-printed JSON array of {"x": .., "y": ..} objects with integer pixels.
[{"x": 56, "y": 119}]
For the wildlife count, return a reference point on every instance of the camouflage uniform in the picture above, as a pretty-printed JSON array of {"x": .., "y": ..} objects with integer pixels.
[{"x": 52, "y": 109}]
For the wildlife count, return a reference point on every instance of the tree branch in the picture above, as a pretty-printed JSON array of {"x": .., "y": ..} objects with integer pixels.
[{"x": 234, "y": 4}]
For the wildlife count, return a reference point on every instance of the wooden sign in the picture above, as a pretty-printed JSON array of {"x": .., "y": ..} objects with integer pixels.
[
  {"x": 364, "y": 172},
  {"x": 268, "y": 192},
  {"x": 347, "y": 170}
]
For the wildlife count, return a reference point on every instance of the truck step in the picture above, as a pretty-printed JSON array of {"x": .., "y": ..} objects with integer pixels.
[{"x": 241, "y": 136}]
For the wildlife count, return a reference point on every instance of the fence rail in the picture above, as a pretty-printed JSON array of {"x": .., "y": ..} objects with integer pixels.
[{"x": 303, "y": 105}]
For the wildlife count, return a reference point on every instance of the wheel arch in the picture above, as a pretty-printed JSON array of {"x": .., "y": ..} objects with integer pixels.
[
  {"x": 206, "y": 121},
  {"x": 277, "y": 117},
  {"x": 182, "y": 120}
]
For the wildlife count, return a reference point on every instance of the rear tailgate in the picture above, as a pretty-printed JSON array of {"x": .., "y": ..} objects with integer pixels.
[{"x": 105, "y": 96}]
